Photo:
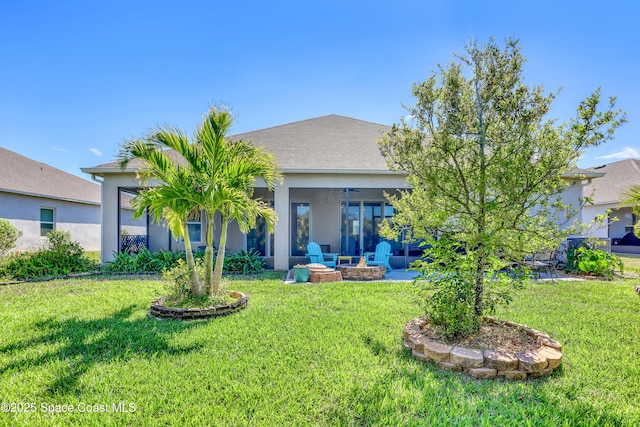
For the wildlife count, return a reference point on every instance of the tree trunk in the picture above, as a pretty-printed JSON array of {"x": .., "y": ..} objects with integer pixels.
[
  {"x": 196, "y": 287},
  {"x": 217, "y": 273},
  {"x": 208, "y": 255},
  {"x": 482, "y": 214}
]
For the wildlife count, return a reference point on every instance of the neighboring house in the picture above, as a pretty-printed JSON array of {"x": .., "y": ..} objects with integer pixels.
[
  {"x": 328, "y": 163},
  {"x": 37, "y": 198},
  {"x": 606, "y": 194}
]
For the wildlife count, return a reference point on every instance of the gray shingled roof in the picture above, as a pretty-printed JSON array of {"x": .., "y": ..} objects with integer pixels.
[
  {"x": 331, "y": 143},
  {"x": 325, "y": 144},
  {"x": 19, "y": 174},
  {"x": 618, "y": 176}
]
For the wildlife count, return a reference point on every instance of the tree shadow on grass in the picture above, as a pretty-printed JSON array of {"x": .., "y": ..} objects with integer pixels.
[
  {"x": 81, "y": 344},
  {"x": 457, "y": 398}
]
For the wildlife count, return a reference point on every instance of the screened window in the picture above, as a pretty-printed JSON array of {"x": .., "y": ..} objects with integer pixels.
[{"x": 47, "y": 221}]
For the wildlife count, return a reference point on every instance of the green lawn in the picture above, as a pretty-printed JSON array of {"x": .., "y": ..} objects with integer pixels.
[
  {"x": 631, "y": 262},
  {"x": 313, "y": 354}
]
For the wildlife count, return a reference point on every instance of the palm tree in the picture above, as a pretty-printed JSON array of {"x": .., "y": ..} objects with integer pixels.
[
  {"x": 213, "y": 174},
  {"x": 172, "y": 200},
  {"x": 228, "y": 171},
  {"x": 631, "y": 197}
]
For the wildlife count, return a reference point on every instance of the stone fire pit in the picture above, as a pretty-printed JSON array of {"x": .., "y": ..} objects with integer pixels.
[{"x": 355, "y": 272}]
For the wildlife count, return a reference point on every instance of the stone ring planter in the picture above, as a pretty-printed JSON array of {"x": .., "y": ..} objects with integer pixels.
[
  {"x": 158, "y": 309},
  {"x": 486, "y": 364}
]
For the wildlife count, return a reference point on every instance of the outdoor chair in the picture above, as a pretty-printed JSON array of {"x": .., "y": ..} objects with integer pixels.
[
  {"x": 317, "y": 257},
  {"x": 542, "y": 262},
  {"x": 380, "y": 256}
]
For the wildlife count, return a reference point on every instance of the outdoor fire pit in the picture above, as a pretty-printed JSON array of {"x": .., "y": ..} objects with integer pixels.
[{"x": 356, "y": 272}]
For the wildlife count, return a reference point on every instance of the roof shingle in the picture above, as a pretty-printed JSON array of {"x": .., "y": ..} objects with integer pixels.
[
  {"x": 618, "y": 177},
  {"x": 19, "y": 174},
  {"x": 324, "y": 144}
]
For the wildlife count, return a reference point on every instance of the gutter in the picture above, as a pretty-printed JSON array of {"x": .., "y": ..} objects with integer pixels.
[
  {"x": 45, "y": 196},
  {"x": 95, "y": 179}
]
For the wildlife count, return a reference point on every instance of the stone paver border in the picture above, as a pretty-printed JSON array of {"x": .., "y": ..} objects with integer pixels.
[
  {"x": 158, "y": 309},
  {"x": 487, "y": 364}
]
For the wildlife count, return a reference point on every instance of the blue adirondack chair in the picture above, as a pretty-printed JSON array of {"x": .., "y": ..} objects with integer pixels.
[
  {"x": 380, "y": 256},
  {"x": 317, "y": 257}
]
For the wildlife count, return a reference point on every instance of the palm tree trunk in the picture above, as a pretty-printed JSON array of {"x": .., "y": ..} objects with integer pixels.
[
  {"x": 217, "y": 273},
  {"x": 196, "y": 287},
  {"x": 208, "y": 255}
]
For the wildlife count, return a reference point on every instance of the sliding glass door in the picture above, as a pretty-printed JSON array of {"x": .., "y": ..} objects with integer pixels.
[
  {"x": 350, "y": 229},
  {"x": 299, "y": 228}
]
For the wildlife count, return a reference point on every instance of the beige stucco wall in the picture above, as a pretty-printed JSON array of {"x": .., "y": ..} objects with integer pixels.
[
  {"x": 80, "y": 219},
  {"x": 323, "y": 191}
]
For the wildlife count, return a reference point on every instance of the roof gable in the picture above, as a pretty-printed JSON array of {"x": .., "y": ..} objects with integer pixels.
[
  {"x": 330, "y": 143},
  {"x": 618, "y": 177},
  {"x": 327, "y": 144},
  {"x": 22, "y": 175}
]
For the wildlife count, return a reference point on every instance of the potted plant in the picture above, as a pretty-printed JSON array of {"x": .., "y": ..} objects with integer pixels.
[{"x": 301, "y": 273}]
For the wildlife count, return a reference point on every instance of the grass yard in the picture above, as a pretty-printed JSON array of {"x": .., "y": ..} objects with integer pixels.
[
  {"x": 313, "y": 354},
  {"x": 631, "y": 262}
]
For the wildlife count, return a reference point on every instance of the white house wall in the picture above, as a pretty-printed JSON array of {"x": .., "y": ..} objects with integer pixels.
[
  {"x": 617, "y": 229},
  {"x": 80, "y": 219},
  {"x": 589, "y": 214}
]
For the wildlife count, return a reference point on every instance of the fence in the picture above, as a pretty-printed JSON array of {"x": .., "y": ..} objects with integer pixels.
[{"x": 133, "y": 243}]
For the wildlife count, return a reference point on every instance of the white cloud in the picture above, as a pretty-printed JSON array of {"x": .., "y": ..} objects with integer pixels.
[
  {"x": 96, "y": 151},
  {"x": 63, "y": 150},
  {"x": 626, "y": 153}
]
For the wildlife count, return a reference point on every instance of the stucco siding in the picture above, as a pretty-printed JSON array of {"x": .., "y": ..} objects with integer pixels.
[
  {"x": 589, "y": 214},
  {"x": 81, "y": 220},
  {"x": 617, "y": 229}
]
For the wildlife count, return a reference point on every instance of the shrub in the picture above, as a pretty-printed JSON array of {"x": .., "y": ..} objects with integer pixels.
[
  {"x": 143, "y": 262},
  {"x": 8, "y": 236},
  {"x": 179, "y": 287},
  {"x": 123, "y": 262},
  {"x": 595, "y": 262},
  {"x": 59, "y": 257},
  {"x": 244, "y": 262}
]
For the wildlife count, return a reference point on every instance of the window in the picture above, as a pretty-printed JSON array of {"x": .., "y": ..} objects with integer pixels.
[
  {"x": 257, "y": 238},
  {"x": 194, "y": 225},
  {"x": 299, "y": 228},
  {"x": 629, "y": 228},
  {"x": 47, "y": 221}
]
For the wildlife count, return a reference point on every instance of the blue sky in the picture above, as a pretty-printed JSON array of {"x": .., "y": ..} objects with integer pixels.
[{"x": 79, "y": 77}]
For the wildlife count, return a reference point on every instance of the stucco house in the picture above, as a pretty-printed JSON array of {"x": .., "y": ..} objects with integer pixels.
[
  {"x": 606, "y": 194},
  {"x": 329, "y": 163},
  {"x": 37, "y": 198}
]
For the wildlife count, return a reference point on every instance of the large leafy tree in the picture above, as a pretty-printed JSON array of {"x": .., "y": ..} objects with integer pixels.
[{"x": 486, "y": 168}]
